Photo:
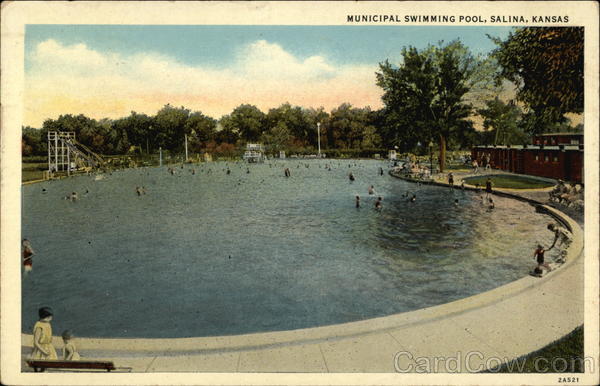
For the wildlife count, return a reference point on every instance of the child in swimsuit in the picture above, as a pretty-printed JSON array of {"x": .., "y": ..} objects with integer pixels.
[
  {"x": 538, "y": 254},
  {"x": 69, "y": 351},
  {"x": 488, "y": 187},
  {"x": 27, "y": 256}
]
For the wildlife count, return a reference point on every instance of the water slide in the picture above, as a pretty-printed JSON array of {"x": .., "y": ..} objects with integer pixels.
[{"x": 82, "y": 151}]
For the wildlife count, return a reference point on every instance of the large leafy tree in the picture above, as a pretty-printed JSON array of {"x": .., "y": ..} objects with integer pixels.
[
  {"x": 34, "y": 141},
  {"x": 348, "y": 125},
  {"x": 408, "y": 96},
  {"x": 246, "y": 120},
  {"x": 201, "y": 129},
  {"x": 278, "y": 137},
  {"x": 546, "y": 65},
  {"x": 502, "y": 121},
  {"x": 87, "y": 130},
  {"x": 136, "y": 128},
  {"x": 226, "y": 135},
  {"x": 426, "y": 96},
  {"x": 169, "y": 127},
  {"x": 291, "y": 117}
]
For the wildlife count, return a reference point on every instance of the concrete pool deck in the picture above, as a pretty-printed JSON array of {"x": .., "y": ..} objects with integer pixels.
[{"x": 481, "y": 331}]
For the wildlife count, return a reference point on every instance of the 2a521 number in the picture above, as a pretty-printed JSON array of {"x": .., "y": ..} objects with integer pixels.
[{"x": 568, "y": 379}]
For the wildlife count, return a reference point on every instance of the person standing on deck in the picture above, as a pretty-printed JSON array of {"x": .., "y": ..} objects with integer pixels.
[
  {"x": 42, "y": 336},
  {"x": 538, "y": 254},
  {"x": 488, "y": 187},
  {"x": 562, "y": 237}
]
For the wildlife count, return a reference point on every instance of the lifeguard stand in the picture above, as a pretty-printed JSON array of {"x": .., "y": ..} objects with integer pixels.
[{"x": 66, "y": 154}]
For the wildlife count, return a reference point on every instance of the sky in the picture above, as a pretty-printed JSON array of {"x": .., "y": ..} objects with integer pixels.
[{"x": 107, "y": 71}]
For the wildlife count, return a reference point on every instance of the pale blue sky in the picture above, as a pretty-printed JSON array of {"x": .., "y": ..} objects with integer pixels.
[{"x": 217, "y": 45}]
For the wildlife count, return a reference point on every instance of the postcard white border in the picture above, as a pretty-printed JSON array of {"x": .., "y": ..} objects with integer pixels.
[{"x": 15, "y": 15}]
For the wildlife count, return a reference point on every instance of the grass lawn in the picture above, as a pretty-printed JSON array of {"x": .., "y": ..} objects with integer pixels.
[
  {"x": 509, "y": 181},
  {"x": 33, "y": 170},
  {"x": 32, "y": 175},
  {"x": 561, "y": 356}
]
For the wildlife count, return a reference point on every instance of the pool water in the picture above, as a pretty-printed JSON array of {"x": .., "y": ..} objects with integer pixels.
[{"x": 209, "y": 253}]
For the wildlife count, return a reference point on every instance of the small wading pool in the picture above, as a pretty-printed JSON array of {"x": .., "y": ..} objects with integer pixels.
[
  {"x": 510, "y": 181},
  {"x": 209, "y": 254}
]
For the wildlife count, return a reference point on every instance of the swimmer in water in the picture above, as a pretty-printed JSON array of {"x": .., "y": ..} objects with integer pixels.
[
  {"x": 358, "y": 201},
  {"x": 74, "y": 196},
  {"x": 351, "y": 177},
  {"x": 491, "y": 203},
  {"x": 456, "y": 202},
  {"x": 44, "y": 190},
  {"x": 371, "y": 190},
  {"x": 378, "y": 203},
  {"x": 27, "y": 256},
  {"x": 138, "y": 191},
  {"x": 380, "y": 171},
  {"x": 413, "y": 198},
  {"x": 228, "y": 171}
]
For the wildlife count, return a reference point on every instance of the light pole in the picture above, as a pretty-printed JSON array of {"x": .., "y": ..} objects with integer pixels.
[
  {"x": 186, "y": 149},
  {"x": 319, "y": 137},
  {"x": 431, "y": 158}
]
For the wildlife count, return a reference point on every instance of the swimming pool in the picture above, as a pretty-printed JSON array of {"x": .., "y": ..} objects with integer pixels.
[{"x": 213, "y": 253}]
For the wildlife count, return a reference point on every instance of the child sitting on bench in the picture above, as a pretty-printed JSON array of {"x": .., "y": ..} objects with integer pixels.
[{"x": 69, "y": 351}]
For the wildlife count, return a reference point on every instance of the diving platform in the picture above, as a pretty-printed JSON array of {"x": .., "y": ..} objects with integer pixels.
[{"x": 254, "y": 153}]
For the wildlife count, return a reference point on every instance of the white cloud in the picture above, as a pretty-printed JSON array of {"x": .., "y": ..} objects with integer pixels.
[
  {"x": 75, "y": 79},
  {"x": 264, "y": 60}
]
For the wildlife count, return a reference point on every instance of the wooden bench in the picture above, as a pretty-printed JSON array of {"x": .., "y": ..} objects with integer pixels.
[{"x": 42, "y": 365}]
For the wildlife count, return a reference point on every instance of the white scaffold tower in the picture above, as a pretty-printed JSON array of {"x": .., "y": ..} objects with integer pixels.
[
  {"x": 254, "y": 153},
  {"x": 66, "y": 154}
]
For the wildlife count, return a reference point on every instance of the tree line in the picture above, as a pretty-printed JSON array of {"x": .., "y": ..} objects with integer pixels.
[
  {"x": 286, "y": 127},
  {"x": 430, "y": 98}
]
